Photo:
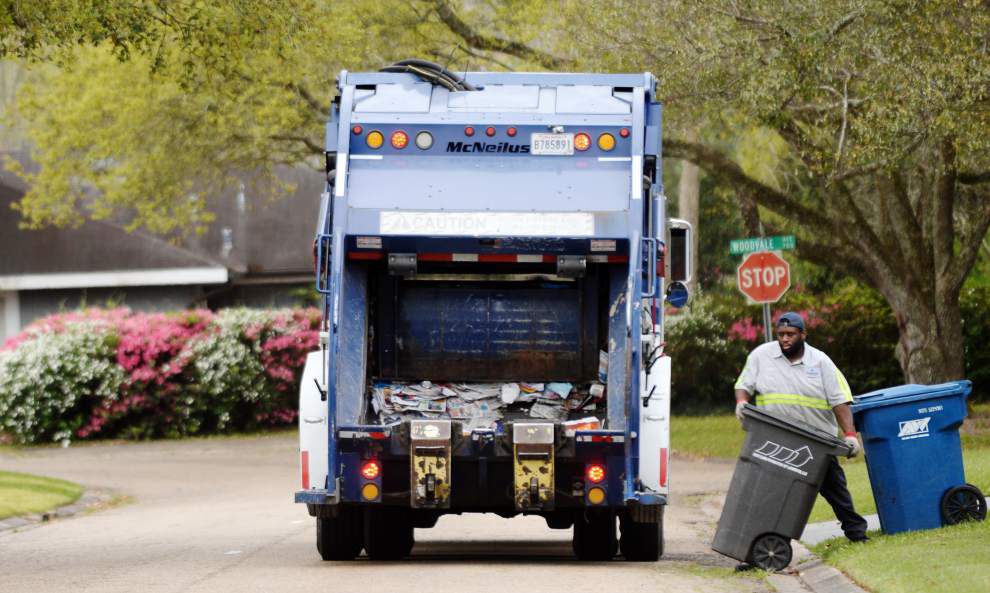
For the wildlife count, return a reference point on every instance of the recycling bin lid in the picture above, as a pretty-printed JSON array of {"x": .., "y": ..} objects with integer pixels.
[
  {"x": 909, "y": 393},
  {"x": 803, "y": 430}
]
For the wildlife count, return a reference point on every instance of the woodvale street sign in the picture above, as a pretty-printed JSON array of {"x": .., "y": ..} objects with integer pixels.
[{"x": 776, "y": 243}]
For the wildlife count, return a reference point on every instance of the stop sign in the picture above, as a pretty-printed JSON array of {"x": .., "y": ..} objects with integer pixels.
[{"x": 763, "y": 276}]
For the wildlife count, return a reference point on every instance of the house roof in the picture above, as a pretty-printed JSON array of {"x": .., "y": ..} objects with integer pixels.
[{"x": 250, "y": 237}]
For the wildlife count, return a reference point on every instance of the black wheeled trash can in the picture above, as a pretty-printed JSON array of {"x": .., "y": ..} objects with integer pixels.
[{"x": 773, "y": 488}]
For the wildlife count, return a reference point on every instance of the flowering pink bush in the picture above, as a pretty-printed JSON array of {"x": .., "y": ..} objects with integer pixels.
[{"x": 190, "y": 372}]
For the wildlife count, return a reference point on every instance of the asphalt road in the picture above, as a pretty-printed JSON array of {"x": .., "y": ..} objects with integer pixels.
[{"x": 217, "y": 515}]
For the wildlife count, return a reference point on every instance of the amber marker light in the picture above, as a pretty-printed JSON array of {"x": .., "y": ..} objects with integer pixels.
[
  {"x": 370, "y": 491},
  {"x": 399, "y": 139},
  {"x": 582, "y": 141},
  {"x": 596, "y": 495},
  {"x": 374, "y": 139},
  {"x": 606, "y": 142}
]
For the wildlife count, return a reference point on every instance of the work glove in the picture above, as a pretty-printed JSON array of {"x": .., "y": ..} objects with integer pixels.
[
  {"x": 853, "y": 443},
  {"x": 739, "y": 409}
]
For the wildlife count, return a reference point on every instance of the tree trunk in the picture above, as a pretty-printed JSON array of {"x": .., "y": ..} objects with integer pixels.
[
  {"x": 688, "y": 206},
  {"x": 930, "y": 348}
]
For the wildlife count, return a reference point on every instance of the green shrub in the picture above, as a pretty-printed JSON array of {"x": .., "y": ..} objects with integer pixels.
[
  {"x": 118, "y": 374},
  {"x": 50, "y": 384},
  {"x": 975, "y": 303}
]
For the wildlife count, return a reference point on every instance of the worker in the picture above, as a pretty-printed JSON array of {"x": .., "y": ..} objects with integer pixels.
[{"x": 799, "y": 383}]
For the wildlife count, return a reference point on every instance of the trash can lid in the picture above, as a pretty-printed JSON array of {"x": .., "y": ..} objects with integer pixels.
[
  {"x": 908, "y": 393},
  {"x": 802, "y": 430}
]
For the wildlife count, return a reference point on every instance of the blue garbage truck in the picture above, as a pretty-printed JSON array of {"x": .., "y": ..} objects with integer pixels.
[{"x": 493, "y": 254}]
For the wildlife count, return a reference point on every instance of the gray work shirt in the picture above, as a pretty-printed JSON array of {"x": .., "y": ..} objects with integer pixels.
[{"x": 804, "y": 391}]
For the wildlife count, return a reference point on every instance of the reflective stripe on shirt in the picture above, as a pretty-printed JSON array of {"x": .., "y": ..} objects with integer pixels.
[{"x": 792, "y": 399}]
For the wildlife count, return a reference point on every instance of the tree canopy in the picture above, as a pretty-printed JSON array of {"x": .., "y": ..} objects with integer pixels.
[{"x": 860, "y": 125}]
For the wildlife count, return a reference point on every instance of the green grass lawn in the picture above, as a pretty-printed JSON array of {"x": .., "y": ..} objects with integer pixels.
[
  {"x": 951, "y": 559},
  {"x": 21, "y": 494}
]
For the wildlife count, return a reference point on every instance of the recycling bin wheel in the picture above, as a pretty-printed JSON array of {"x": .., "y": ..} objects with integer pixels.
[
  {"x": 771, "y": 552},
  {"x": 963, "y": 503}
]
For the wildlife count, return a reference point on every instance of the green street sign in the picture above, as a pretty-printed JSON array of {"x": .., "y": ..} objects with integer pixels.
[{"x": 777, "y": 243}]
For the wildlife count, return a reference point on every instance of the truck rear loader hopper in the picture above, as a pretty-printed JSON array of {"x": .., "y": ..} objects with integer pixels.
[{"x": 491, "y": 251}]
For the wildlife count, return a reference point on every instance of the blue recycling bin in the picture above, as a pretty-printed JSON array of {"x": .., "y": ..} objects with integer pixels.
[{"x": 914, "y": 456}]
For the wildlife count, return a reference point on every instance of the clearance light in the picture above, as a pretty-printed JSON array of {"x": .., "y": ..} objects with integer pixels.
[
  {"x": 370, "y": 470},
  {"x": 370, "y": 491},
  {"x": 399, "y": 139},
  {"x": 595, "y": 473},
  {"x": 424, "y": 140},
  {"x": 511, "y": 132},
  {"x": 375, "y": 139},
  {"x": 606, "y": 142},
  {"x": 582, "y": 141},
  {"x": 490, "y": 131},
  {"x": 469, "y": 131},
  {"x": 624, "y": 132},
  {"x": 596, "y": 496},
  {"x": 357, "y": 130}
]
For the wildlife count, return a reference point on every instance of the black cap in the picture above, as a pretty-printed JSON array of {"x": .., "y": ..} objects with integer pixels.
[{"x": 791, "y": 319}]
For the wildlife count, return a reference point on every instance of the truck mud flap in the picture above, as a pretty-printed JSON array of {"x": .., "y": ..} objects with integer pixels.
[
  {"x": 429, "y": 467},
  {"x": 533, "y": 460}
]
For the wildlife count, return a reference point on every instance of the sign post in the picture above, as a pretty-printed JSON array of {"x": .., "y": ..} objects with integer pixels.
[{"x": 764, "y": 277}]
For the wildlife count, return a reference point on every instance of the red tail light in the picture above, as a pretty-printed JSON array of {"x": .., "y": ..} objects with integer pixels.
[
  {"x": 399, "y": 139},
  {"x": 595, "y": 473},
  {"x": 582, "y": 141},
  {"x": 490, "y": 131},
  {"x": 469, "y": 131},
  {"x": 371, "y": 470}
]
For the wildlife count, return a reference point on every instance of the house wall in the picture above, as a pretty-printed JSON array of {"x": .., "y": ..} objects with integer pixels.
[
  {"x": 10, "y": 314},
  {"x": 38, "y": 303}
]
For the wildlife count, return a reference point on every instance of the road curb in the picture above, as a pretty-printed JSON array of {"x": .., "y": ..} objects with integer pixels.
[
  {"x": 819, "y": 577},
  {"x": 89, "y": 499}
]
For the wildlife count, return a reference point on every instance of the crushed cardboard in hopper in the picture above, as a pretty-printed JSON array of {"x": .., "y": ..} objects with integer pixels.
[{"x": 488, "y": 405}]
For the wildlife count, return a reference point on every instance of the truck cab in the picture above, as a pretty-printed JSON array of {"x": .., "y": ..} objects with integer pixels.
[{"x": 492, "y": 255}]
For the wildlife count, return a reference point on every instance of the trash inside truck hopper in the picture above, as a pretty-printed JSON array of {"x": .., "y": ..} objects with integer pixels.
[{"x": 491, "y": 252}]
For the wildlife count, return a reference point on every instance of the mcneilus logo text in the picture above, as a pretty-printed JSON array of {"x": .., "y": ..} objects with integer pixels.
[{"x": 486, "y": 147}]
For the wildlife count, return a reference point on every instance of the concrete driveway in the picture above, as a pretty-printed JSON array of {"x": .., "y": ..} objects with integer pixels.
[{"x": 217, "y": 515}]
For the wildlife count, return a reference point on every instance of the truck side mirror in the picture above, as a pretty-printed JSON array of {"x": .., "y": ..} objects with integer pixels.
[
  {"x": 679, "y": 250},
  {"x": 677, "y": 294}
]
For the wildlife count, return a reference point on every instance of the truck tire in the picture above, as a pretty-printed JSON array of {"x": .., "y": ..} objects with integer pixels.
[
  {"x": 594, "y": 535},
  {"x": 388, "y": 533},
  {"x": 641, "y": 542},
  {"x": 340, "y": 537}
]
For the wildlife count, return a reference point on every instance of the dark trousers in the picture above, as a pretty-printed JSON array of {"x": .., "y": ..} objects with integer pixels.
[{"x": 837, "y": 495}]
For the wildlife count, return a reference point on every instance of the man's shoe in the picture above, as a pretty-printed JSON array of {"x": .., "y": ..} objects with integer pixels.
[
  {"x": 744, "y": 567},
  {"x": 858, "y": 539}
]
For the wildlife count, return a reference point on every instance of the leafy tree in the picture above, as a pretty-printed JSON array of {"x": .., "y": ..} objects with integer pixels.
[
  {"x": 207, "y": 93},
  {"x": 867, "y": 118},
  {"x": 882, "y": 106}
]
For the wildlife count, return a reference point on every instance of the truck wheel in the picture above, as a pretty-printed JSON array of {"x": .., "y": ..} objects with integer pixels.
[
  {"x": 963, "y": 503},
  {"x": 594, "y": 535},
  {"x": 388, "y": 533},
  {"x": 340, "y": 538},
  {"x": 641, "y": 542},
  {"x": 770, "y": 552}
]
